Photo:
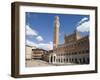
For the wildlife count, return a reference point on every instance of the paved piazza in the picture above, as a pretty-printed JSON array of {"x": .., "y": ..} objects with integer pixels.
[{"x": 37, "y": 63}]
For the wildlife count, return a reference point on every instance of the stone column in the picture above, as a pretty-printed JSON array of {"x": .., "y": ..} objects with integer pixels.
[
  {"x": 49, "y": 59},
  {"x": 60, "y": 58}
]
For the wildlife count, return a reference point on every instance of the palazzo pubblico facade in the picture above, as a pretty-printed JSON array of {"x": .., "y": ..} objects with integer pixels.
[{"x": 75, "y": 48}]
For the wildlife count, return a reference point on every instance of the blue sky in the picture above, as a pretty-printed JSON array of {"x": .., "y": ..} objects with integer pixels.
[{"x": 39, "y": 27}]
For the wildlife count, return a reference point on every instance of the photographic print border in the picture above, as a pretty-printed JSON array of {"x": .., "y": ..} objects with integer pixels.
[{"x": 15, "y": 40}]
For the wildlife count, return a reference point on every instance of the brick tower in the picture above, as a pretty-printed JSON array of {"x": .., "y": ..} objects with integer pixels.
[{"x": 56, "y": 32}]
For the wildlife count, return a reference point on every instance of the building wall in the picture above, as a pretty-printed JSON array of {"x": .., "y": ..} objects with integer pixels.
[
  {"x": 74, "y": 50},
  {"x": 28, "y": 52}
]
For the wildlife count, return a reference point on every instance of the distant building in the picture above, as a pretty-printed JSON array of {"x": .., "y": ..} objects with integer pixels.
[
  {"x": 28, "y": 52},
  {"x": 75, "y": 48},
  {"x": 38, "y": 53}
]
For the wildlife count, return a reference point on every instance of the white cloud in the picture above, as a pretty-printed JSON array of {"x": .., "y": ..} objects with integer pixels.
[
  {"x": 30, "y": 31},
  {"x": 46, "y": 46},
  {"x": 39, "y": 38},
  {"x": 30, "y": 43},
  {"x": 82, "y": 20},
  {"x": 84, "y": 26}
]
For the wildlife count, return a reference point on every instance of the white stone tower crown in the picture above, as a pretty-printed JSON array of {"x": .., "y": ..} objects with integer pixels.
[{"x": 56, "y": 21}]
